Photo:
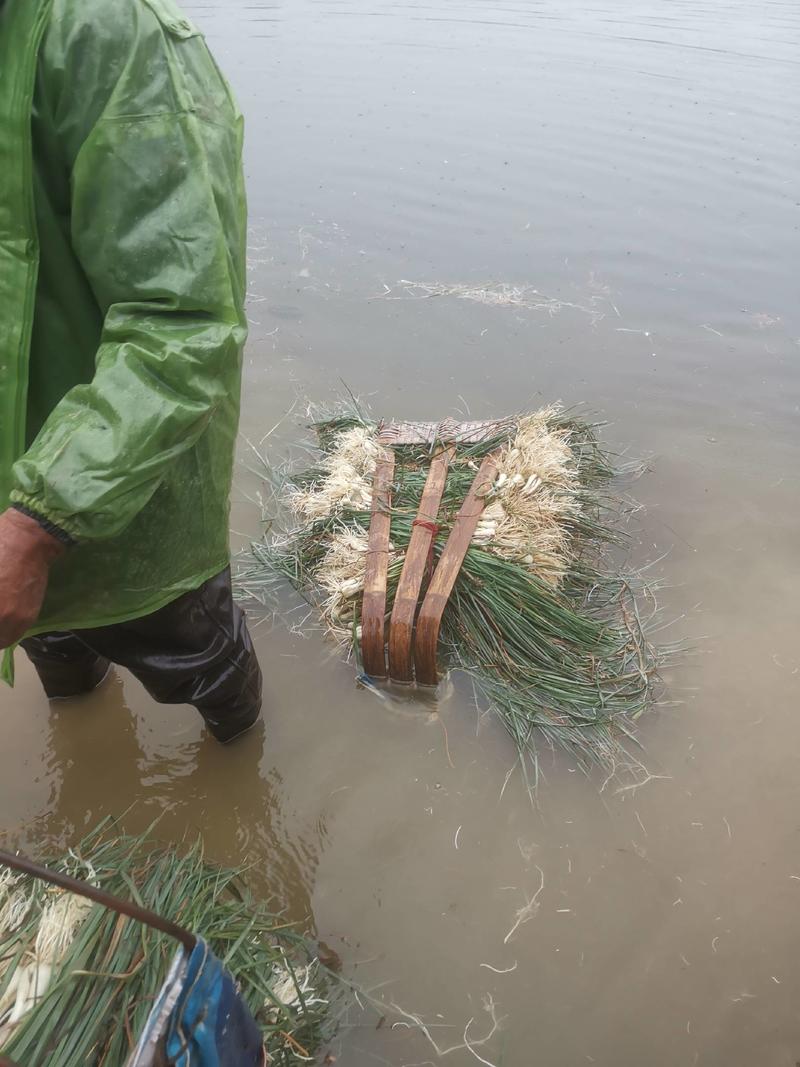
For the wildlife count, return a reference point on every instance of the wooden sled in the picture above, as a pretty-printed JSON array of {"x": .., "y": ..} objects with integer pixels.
[{"x": 413, "y": 634}]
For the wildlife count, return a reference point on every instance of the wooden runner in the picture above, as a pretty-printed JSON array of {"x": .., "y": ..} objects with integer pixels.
[
  {"x": 418, "y": 558},
  {"x": 445, "y": 435},
  {"x": 373, "y": 609},
  {"x": 446, "y": 573}
]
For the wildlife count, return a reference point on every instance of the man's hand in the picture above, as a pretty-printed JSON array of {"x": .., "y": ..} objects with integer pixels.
[{"x": 26, "y": 552}]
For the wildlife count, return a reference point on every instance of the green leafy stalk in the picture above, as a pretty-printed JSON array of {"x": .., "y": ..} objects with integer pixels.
[{"x": 103, "y": 988}]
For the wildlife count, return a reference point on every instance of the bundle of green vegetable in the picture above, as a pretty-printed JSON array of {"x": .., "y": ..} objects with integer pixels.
[
  {"x": 541, "y": 618},
  {"x": 77, "y": 981}
]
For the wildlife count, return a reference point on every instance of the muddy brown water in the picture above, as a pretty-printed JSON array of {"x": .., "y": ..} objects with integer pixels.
[{"x": 636, "y": 165}]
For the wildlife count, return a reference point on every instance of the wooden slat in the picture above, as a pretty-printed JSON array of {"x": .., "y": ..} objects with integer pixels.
[
  {"x": 446, "y": 573},
  {"x": 373, "y": 608},
  {"x": 445, "y": 432},
  {"x": 401, "y": 663}
]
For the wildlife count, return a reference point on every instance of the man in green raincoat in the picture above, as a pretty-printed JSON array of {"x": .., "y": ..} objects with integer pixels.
[{"x": 122, "y": 278}]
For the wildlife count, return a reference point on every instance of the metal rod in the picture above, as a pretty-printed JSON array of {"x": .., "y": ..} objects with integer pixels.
[{"x": 99, "y": 896}]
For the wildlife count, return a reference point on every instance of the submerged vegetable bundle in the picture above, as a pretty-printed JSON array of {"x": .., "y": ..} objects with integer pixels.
[
  {"x": 77, "y": 981},
  {"x": 540, "y": 617}
]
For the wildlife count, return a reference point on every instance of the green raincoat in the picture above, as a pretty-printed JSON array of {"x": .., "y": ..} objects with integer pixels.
[{"x": 122, "y": 278}]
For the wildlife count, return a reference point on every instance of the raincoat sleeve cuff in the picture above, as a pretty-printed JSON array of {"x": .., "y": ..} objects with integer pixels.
[{"x": 18, "y": 503}]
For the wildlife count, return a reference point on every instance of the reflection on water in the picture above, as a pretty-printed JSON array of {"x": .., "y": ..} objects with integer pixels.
[
  {"x": 100, "y": 761},
  {"x": 629, "y": 172}
]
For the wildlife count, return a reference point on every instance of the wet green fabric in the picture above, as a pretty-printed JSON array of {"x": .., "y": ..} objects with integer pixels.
[{"x": 121, "y": 180}]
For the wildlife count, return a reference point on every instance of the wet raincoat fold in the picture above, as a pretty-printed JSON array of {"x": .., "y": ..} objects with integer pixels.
[{"x": 122, "y": 278}]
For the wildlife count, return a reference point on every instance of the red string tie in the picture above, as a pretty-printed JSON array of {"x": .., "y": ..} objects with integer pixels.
[{"x": 432, "y": 527}]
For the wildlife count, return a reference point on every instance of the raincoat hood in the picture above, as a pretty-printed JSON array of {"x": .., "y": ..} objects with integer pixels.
[{"x": 122, "y": 279}]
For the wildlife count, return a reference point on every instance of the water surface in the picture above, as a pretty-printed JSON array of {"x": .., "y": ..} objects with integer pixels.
[{"x": 636, "y": 165}]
